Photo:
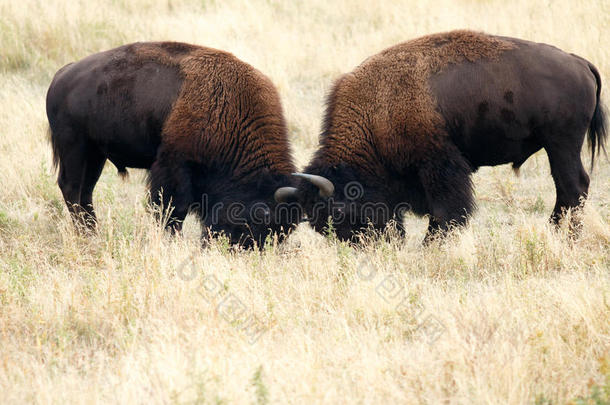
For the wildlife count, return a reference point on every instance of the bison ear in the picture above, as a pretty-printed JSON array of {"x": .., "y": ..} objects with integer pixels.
[
  {"x": 327, "y": 188},
  {"x": 286, "y": 194}
]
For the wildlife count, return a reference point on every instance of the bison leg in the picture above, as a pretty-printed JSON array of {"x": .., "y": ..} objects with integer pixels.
[
  {"x": 571, "y": 181},
  {"x": 92, "y": 172},
  {"x": 448, "y": 191},
  {"x": 170, "y": 189},
  {"x": 79, "y": 171}
]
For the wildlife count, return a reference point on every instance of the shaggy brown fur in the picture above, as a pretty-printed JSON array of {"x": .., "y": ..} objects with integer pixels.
[
  {"x": 384, "y": 110},
  {"x": 242, "y": 128},
  {"x": 204, "y": 122},
  {"x": 410, "y": 124}
]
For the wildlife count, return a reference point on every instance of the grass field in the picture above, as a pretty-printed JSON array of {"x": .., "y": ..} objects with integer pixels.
[{"x": 507, "y": 311}]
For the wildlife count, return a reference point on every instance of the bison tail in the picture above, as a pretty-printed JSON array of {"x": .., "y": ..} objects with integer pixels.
[
  {"x": 598, "y": 128},
  {"x": 54, "y": 148}
]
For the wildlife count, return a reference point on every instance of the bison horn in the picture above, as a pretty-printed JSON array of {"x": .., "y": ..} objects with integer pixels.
[
  {"x": 326, "y": 186},
  {"x": 285, "y": 194}
]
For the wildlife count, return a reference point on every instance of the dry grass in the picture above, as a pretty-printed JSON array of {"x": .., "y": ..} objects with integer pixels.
[{"x": 133, "y": 316}]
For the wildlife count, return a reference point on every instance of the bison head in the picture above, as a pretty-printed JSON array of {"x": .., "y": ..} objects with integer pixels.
[
  {"x": 247, "y": 214},
  {"x": 343, "y": 204}
]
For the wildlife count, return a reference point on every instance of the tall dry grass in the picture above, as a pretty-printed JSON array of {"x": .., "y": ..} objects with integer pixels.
[{"x": 506, "y": 311}]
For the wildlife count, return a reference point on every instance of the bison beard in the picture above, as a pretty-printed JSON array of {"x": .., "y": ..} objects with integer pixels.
[
  {"x": 209, "y": 127},
  {"x": 410, "y": 125}
]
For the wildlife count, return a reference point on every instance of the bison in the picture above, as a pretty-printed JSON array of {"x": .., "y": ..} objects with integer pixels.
[
  {"x": 408, "y": 127},
  {"x": 209, "y": 128}
]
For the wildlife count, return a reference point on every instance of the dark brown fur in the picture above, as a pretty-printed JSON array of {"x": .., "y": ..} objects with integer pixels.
[
  {"x": 232, "y": 111},
  {"x": 370, "y": 116},
  {"x": 411, "y": 123},
  {"x": 208, "y": 126}
]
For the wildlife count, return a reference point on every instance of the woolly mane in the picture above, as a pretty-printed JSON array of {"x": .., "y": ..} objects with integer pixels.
[
  {"x": 227, "y": 114},
  {"x": 384, "y": 111}
]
